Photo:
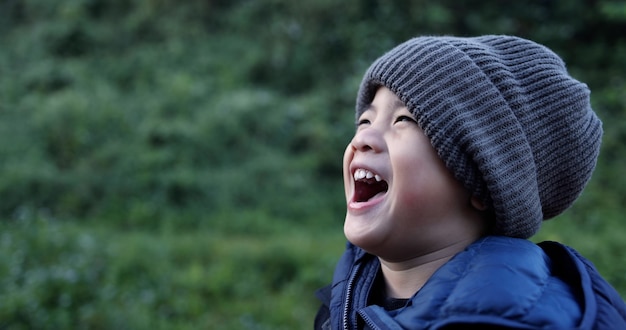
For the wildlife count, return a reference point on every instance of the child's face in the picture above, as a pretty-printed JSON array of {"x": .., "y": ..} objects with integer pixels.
[{"x": 404, "y": 202}]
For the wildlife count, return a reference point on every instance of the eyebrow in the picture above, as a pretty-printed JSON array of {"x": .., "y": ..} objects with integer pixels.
[{"x": 395, "y": 105}]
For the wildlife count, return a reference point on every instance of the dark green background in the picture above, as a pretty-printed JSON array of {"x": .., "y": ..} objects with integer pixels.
[{"x": 177, "y": 164}]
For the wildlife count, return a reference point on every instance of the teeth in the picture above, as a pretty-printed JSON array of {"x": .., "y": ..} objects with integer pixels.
[{"x": 360, "y": 174}]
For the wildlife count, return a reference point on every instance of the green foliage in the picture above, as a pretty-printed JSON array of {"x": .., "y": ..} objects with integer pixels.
[
  {"x": 118, "y": 108},
  {"x": 67, "y": 276},
  {"x": 193, "y": 150}
]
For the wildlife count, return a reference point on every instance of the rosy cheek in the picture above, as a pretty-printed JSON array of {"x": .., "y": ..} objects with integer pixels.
[
  {"x": 420, "y": 194},
  {"x": 409, "y": 199}
]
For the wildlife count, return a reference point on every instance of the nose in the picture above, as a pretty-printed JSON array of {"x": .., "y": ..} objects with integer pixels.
[{"x": 368, "y": 139}]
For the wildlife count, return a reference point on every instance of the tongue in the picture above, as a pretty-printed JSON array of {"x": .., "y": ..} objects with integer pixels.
[{"x": 365, "y": 190}]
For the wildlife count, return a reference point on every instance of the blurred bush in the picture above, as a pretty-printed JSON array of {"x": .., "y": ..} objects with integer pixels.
[
  {"x": 58, "y": 276},
  {"x": 132, "y": 111}
]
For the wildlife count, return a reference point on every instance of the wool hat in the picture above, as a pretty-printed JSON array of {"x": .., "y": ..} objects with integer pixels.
[{"x": 505, "y": 117}]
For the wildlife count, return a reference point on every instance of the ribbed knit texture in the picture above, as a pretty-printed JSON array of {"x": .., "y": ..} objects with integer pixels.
[{"x": 504, "y": 115}]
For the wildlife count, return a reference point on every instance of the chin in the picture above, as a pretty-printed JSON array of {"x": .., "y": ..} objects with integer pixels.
[{"x": 360, "y": 234}]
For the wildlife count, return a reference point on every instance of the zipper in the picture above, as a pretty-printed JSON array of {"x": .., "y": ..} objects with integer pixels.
[
  {"x": 369, "y": 321},
  {"x": 346, "y": 308}
]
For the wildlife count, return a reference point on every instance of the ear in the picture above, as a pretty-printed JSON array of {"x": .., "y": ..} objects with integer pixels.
[{"x": 478, "y": 204}]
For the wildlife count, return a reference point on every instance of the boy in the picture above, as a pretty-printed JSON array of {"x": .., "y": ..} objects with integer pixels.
[{"x": 463, "y": 147}]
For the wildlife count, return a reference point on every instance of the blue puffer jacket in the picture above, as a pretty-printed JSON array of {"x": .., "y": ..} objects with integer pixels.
[{"x": 497, "y": 282}]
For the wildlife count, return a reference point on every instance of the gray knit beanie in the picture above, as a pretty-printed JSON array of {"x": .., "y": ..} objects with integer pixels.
[{"x": 505, "y": 117}]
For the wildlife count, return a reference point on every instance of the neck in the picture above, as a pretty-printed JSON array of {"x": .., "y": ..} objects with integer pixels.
[{"x": 404, "y": 278}]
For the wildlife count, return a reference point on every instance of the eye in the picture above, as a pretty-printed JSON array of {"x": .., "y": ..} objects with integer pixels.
[
  {"x": 402, "y": 118},
  {"x": 362, "y": 121}
]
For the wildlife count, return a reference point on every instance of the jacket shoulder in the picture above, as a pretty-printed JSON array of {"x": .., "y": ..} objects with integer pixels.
[
  {"x": 508, "y": 279},
  {"x": 605, "y": 309}
]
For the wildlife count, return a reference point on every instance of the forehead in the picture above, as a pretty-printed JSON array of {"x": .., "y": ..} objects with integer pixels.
[{"x": 385, "y": 100}]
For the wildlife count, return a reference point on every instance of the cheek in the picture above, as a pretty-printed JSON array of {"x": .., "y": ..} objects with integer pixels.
[
  {"x": 415, "y": 193},
  {"x": 423, "y": 188},
  {"x": 347, "y": 177}
]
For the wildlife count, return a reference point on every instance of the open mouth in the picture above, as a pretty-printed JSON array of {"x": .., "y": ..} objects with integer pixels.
[{"x": 367, "y": 185}]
